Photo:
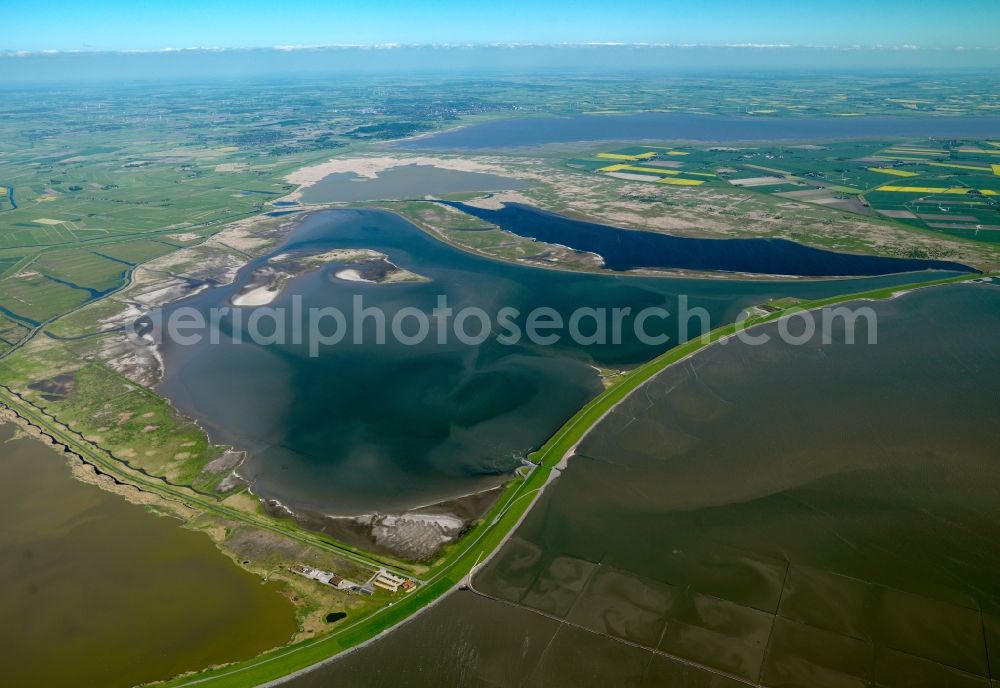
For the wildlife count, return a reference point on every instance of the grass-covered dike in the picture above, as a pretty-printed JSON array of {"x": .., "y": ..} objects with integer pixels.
[{"x": 487, "y": 537}]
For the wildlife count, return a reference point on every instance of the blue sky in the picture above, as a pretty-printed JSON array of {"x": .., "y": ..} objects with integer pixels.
[{"x": 35, "y": 25}]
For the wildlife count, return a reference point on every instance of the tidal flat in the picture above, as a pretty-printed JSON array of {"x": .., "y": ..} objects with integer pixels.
[
  {"x": 86, "y": 571},
  {"x": 814, "y": 515}
]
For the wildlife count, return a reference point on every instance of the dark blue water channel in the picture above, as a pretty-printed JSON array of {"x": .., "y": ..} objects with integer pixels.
[{"x": 626, "y": 249}]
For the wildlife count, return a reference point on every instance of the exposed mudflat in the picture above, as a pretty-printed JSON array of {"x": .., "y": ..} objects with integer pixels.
[{"x": 416, "y": 535}]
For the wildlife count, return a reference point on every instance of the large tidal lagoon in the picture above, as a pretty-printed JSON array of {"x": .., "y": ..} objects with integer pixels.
[{"x": 389, "y": 427}]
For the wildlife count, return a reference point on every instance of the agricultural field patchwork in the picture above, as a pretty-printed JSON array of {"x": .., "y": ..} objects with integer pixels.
[
  {"x": 120, "y": 183},
  {"x": 947, "y": 187},
  {"x": 645, "y": 163}
]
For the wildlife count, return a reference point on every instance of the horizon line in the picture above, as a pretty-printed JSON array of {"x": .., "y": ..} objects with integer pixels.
[{"x": 495, "y": 45}]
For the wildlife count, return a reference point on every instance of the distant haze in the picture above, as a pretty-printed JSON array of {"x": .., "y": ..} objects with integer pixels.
[{"x": 29, "y": 68}]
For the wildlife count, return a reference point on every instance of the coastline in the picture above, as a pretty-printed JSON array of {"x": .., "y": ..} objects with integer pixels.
[
  {"x": 660, "y": 273},
  {"x": 804, "y": 504},
  {"x": 370, "y": 166},
  {"x": 455, "y": 563},
  {"x": 344, "y": 528},
  {"x": 236, "y": 236},
  {"x": 508, "y": 513},
  {"x": 268, "y": 280},
  {"x": 417, "y": 534},
  {"x": 545, "y": 177},
  {"x": 91, "y": 474}
]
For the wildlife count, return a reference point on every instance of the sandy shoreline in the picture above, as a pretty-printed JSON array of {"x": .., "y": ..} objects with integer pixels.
[
  {"x": 268, "y": 280},
  {"x": 259, "y": 296},
  {"x": 352, "y": 275},
  {"x": 369, "y": 167}
]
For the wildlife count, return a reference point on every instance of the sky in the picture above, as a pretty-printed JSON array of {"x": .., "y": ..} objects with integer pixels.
[{"x": 150, "y": 25}]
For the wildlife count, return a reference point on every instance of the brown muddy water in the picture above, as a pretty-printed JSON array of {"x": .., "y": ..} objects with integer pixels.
[
  {"x": 809, "y": 516},
  {"x": 100, "y": 592}
]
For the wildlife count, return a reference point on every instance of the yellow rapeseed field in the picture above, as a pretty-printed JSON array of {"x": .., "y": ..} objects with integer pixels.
[
  {"x": 893, "y": 171},
  {"x": 680, "y": 182}
]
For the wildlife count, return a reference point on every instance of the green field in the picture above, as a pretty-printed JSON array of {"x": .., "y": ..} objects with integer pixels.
[
  {"x": 950, "y": 190},
  {"x": 107, "y": 181},
  {"x": 96, "y": 197}
]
